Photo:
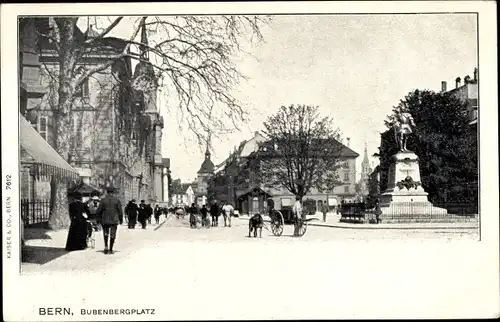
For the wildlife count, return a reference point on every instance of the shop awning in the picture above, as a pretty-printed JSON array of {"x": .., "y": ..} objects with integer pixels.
[{"x": 46, "y": 161}]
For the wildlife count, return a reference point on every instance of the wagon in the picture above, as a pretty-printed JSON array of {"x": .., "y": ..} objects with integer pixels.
[{"x": 277, "y": 222}]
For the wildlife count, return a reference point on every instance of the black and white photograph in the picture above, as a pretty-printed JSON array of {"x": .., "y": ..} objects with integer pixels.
[{"x": 249, "y": 161}]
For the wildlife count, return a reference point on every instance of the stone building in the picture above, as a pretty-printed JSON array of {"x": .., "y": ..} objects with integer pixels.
[
  {"x": 250, "y": 196},
  {"x": 467, "y": 92},
  {"x": 116, "y": 126}
]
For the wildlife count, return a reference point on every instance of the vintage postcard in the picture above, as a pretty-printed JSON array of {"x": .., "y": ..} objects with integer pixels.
[{"x": 244, "y": 160}]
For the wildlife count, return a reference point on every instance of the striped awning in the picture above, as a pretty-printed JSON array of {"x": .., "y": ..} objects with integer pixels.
[{"x": 46, "y": 161}]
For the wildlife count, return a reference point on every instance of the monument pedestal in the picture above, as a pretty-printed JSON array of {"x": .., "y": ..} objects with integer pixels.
[{"x": 405, "y": 198}]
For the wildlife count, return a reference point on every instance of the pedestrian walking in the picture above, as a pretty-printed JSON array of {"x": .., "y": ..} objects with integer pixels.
[
  {"x": 149, "y": 210},
  {"x": 204, "y": 216},
  {"x": 297, "y": 213},
  {"x": 157, "y": 214},
  {"x": 131, "y": 212},
  {"x": 78, "y": 230},
  {"x": 214, "y": 213},
  {"x": 110, "y": 212},
  {"x": 378, "y": 211},
  {"x": 324, "y": 209},
  {"x": 193, "y": 211},
  {"x": 227, "y": 212},
  {"x": 143, "y": 214}
]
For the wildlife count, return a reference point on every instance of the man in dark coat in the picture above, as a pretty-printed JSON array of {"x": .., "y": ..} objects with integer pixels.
[
  {"x": 193, "y": 211},
  {"x": 143, "y": 214},
  {"x": 214, "y": 213},
  {"x": 111, "y": 214},
  {"x": 131, "y": 211},
  {"x": 150, "y": 211},
  {"x": 204, "y": 216}
]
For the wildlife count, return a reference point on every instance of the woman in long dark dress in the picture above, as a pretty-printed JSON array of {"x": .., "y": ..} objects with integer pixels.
[{"x": 77, "y": 234}]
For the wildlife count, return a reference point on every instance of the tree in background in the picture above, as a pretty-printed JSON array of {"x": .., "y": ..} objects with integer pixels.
[
  {"x": 442, "y": 139},
  {"x": 191, "y": 57},
  {"x": 302, "y": 151}
]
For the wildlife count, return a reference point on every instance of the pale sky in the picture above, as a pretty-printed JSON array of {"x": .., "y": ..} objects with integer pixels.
[{"x": 355, "y": 67}]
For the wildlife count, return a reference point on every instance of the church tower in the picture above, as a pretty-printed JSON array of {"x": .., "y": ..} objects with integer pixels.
[
  {"x": 204, "y": 174},
  {"x": 365, "y": 173},
  {"x": 145, "y": 85}
]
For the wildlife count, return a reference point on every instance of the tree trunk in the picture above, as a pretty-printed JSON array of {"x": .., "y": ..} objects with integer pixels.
[{"x": 59, "y": 216}]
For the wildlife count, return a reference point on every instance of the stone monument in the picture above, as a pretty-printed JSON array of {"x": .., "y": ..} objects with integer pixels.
[{"x": 405, "y": 199}]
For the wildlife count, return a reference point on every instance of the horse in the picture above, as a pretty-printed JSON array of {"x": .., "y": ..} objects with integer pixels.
[{"x": 254, "y": 223}]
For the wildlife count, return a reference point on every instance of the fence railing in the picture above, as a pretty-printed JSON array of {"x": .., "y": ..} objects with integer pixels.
[
  {"x": 35, "y": 211},
  {"x": 424, "y": 210}
]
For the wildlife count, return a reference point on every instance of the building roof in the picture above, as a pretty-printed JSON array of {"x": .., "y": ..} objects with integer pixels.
[
  {"x": 207, "y": 166},
  {"x": 342, "y": 150}
]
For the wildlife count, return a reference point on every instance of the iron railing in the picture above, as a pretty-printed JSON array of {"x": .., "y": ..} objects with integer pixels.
[
  {"x": 35, "y": 211},
  {"x": 428, "y": 211}
]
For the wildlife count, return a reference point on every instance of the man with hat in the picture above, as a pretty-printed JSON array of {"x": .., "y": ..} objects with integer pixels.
[
  {"x": 143, "y": 214},
  {"x": 110, "y": 212},
  {"x": 131, "y": 211}
]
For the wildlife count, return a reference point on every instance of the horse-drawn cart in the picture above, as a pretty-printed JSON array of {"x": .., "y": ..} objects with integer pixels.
[{"x": 277, "y": 223}]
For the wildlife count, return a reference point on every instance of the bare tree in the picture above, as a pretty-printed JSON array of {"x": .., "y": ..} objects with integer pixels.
[
  {"x": 192, "y": 57},
  {"x": 302, "y": 153}
]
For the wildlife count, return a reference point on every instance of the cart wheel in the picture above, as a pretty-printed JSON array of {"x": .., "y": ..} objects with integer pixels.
[
  {"x": 276, "y": 228},
  {"x": 303, "y": 228}
]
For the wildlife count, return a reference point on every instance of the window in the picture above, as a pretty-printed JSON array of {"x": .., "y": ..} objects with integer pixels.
[
  {"x": 346, "y": 176},
  {"x": 83, "y": 90},
  {"x": 345, "y": 165},
  {"x": 346, "y": 189},
  {"x": 42, "y": 127},
  {"x": 286, "y": 202}
]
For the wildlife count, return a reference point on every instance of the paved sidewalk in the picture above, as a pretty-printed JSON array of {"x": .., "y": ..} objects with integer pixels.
[
  {"x": 44, "y": 250},
  {"x": 332, "y": 221}
]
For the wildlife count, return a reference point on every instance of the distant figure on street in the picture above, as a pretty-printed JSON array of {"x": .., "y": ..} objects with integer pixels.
[
  {"x": 193, "y": 211},
  {"x": 131, "y": 211},
  {"x": 143, "y": 214},
  {"x": 324, "y": 210},
  {"x": 204, "y": 216},
  {"x": 378, "y": 211},
  {"x": 110, "y": 211},
  {"x": 297, "y": 214},
  {"x": 179, "y": 212},
  {"x": 227, "y": 212},
  {"x": 157, "y": 214},
  {"x": 150, "y": 211},
  {"x": 78, "y": 230},
  {"x": 214, "y": 213}
]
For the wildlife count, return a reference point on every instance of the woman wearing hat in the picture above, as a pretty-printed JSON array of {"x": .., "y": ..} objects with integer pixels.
[{"x": 77, "y": 234}]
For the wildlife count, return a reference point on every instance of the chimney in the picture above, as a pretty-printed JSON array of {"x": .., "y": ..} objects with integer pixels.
[
  {"x": 256, "y": 133},
  {"x": 476, "y": 74},
  {"x": 457, "y": 82},
  {"x": 467, "y": 79},
  {"x": 348, "y": 142},
  {"x": 443, "y": 86}
]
